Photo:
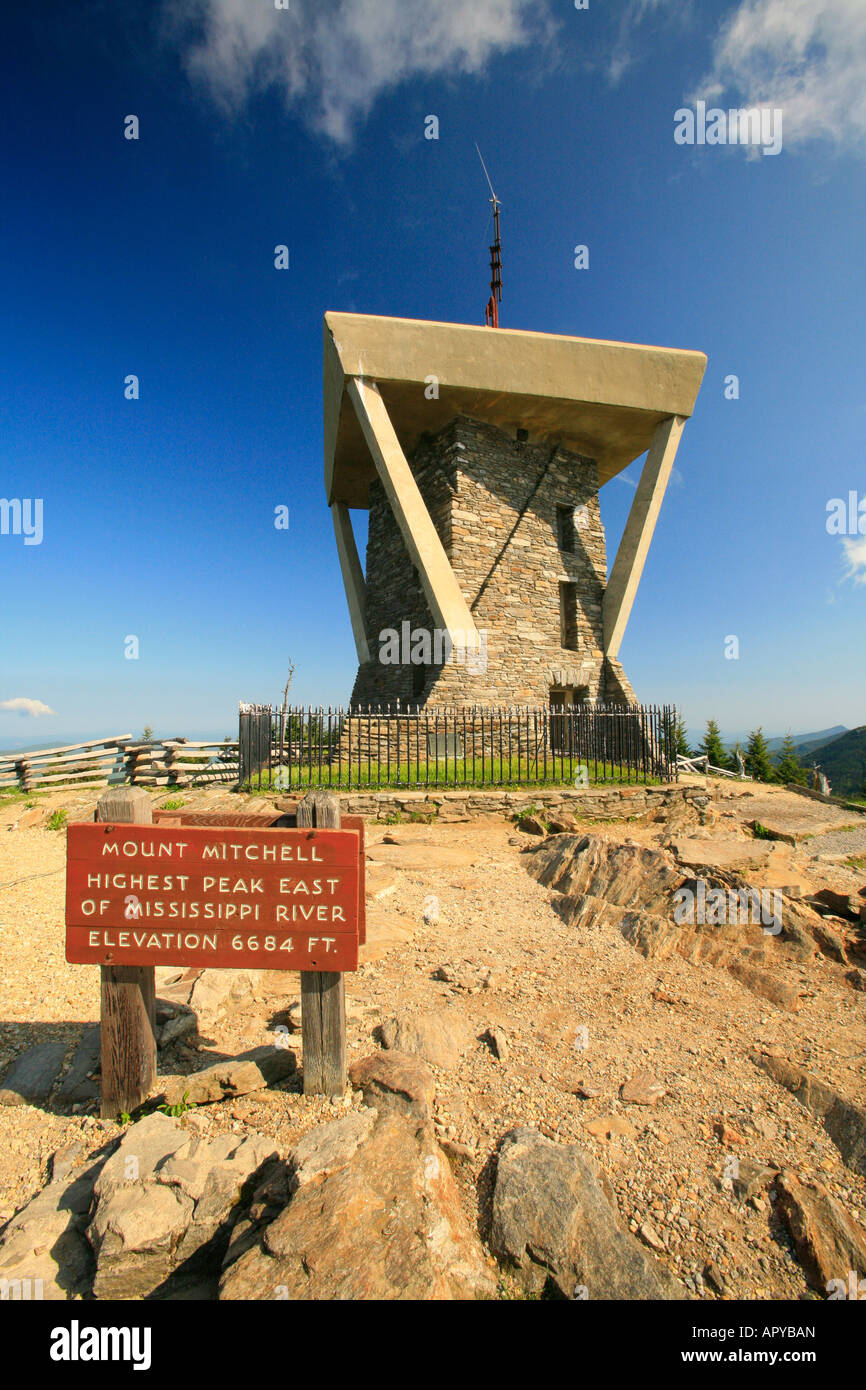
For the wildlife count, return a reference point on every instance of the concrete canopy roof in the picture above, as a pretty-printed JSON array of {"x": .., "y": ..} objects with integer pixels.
[{"x": 602, "y": 399}]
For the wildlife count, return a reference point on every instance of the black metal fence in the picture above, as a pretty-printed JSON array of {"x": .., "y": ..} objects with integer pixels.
[{"x": 386, "y": 746}]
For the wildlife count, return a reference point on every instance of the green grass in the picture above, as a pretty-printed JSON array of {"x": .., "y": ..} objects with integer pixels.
[
  {"x": 761, "y": 832},
  {"x": 56, "y": 821},
  {"x": 172, "y": 805},
  {"x": 180, "y": 1108},
  {"x": 454, "y": 774}
]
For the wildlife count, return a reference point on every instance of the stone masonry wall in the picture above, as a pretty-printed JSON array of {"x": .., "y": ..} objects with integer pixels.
[
  {"x": 494, "y": 505},
  {"x": 603, "y": 803}
]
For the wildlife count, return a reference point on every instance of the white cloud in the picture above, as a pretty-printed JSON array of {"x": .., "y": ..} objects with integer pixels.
[
  {"x": 24, "y": 707},
  {"x": 855, "y": 558},
  {"x": 635, "y": 12},
  {"x": 806, "y": 56},
  {"x": 331, "y": 59}
]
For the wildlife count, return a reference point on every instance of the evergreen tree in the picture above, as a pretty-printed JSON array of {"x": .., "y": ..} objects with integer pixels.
[
  {"x": 758, "y": 760},
  {"x": 712, "y": 745},
  {"x": 681, "y": 734},
  {"x": 788, "y": 767}
]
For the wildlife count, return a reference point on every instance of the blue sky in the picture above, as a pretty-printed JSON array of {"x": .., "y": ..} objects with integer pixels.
[{"x": 305, "y": 127}]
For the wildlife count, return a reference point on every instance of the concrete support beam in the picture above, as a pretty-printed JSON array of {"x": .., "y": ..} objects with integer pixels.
[
  {"x": 631, "y": 556},
  {"x": 444, "y": 597},
  {"x": 353, "y": 576}
]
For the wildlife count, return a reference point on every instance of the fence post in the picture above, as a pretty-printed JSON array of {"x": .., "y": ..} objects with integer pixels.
[
  {"x": 323, "y": 996},
  {"x": 128, "y": 992}
]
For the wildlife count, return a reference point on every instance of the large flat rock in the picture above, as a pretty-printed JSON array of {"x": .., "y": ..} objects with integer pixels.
[
  {"x": 786, "y": 813},
  {"x": 775, "y": 860},
  {"x": 384, "y": 933},
  {"x": 421, "y": 857},
  {"x": 722, "y": 853},
  {"x": 234, "y": 1076}
]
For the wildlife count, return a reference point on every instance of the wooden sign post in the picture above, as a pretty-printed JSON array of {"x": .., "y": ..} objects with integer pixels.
[
  {"x": 323, "y": 993},
  {"x": 233, "y": 892},
  {"x": 127, "y": 1033}
]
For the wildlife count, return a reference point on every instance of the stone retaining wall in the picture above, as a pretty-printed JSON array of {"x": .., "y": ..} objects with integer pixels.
[{"x": 604, "y": 803}]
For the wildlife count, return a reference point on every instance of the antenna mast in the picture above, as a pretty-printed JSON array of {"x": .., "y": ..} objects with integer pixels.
[{"x": 491, "y": 313}]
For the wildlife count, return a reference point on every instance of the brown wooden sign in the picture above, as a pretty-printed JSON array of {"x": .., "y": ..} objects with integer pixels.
[
  {"x": 282, "y": 819},
  {"x": 215, "y": 896}
]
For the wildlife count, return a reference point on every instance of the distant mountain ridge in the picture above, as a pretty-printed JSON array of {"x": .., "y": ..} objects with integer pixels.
[
  {"x": 809, "y": 741},
  {"x": 806, "y": 742},
  {"x": 843, "y": 761}
]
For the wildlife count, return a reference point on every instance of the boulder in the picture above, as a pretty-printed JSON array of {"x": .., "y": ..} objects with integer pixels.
[
  {"x": 135, "y": 1237},
  {"x": 329, "y": 1148},
  {"x": 627, "y": 875},
  {"x": 32, "y": 1076},
  {"x": 181, "y": 1025},
  {"x": 830, "y": 1244},
  {"x": 717, "y": 853},
  {"x": 829, "y": 942},
  {"x": 563, "y": 825},
  {"x": 395, "y": 1081},
  {"x": 236, "y": 1076},
  {"x": 555, "y": 1218},
  {"x": 78, "y": 1085},
  {"x": 44, "y": 1254},
  {"x": 386, "y": 1224},
  {"x": 830, "y": 903},
  {"x": 440, "y": 1037},
  {"x": 165, "y": 1204}
]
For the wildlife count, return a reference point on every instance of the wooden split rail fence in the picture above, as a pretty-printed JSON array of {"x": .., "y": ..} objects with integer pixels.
[{"x": 120, "y": 761}]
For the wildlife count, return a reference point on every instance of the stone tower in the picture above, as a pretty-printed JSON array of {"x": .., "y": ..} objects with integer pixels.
[{"x": 479, "y": 454}]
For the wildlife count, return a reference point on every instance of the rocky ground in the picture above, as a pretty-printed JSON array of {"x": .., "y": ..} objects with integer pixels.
[{"x": 705, "y": 1082}]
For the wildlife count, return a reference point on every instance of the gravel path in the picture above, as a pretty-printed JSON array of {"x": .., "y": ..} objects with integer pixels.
[{"x": 838, "y": 842}]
